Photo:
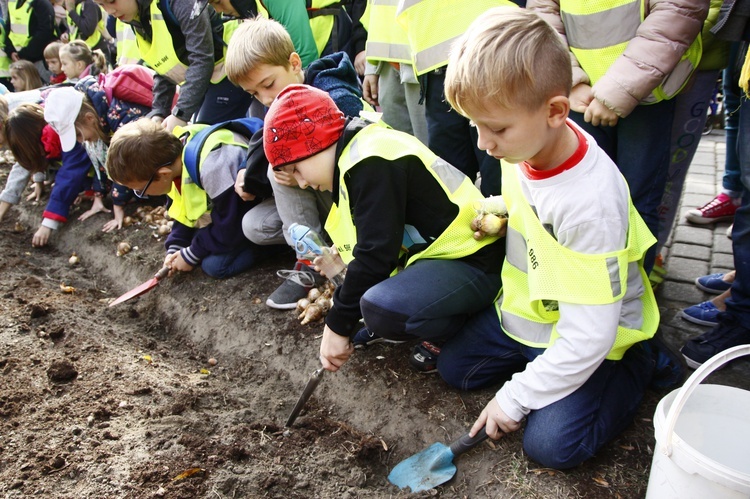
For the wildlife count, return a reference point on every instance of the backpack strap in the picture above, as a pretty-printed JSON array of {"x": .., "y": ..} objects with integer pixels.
[{"x": 191, "y": 159}]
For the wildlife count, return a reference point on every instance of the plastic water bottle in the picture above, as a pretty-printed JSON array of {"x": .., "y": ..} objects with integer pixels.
[{"x": 310, "y": 245}]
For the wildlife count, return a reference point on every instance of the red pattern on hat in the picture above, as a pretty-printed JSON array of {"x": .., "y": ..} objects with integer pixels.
[{"x": 301, "y": 122}]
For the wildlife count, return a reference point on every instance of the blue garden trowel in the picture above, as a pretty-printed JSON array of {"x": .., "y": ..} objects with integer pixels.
[{"x": 434, "y": 465}]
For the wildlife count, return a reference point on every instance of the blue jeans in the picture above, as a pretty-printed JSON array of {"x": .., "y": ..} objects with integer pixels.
[
  {"x": 569, "y": 431},
  {"x": 731, "y": 180},
  {"x": 639, "y": 145},
  {"x": 228, "y": 264},
  {"x": 450, "y": 137},
  {"x": 429, "y": 300}
]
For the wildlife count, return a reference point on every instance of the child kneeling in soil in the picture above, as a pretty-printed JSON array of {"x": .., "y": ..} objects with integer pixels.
[
  {"x": 208, "y": 214},
  {"x": 577, "y": 312},
  {"x": 385, "y": 185}
]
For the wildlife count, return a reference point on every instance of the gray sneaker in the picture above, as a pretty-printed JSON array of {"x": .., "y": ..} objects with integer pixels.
[{"x": 297, "y": 283}]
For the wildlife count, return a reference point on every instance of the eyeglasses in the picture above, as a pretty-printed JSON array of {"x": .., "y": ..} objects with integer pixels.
[{"x": 141, "y": 193}]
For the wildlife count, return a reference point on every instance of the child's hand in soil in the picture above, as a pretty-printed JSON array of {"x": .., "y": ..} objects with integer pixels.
[
  {"x": 495, "y": 421},
  {"x": 41, "y": 237},
  {"x": 115, "y": 223},
  {"x": 335, "y": 350},
  {"x": 38, "y": 191},
  {"x": 96, "y": 207},
  {"x": 175, "y": 262}
]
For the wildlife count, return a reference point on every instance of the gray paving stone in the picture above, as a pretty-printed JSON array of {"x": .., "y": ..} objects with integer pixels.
[
  {"x": 691, "y": 251},
  {"x": 707, "y": 189},
  {"x": 704, "y": 158},
  {"x": 690, "y": 200},
  {"x": 693, "y": 235},
  {"x": 722, "y": 244},
  {"x": 681, "y": 292},
  {"x": 725, "y": 260},
  {"x": 701, "y": 178},
  {"x": 703, "y": 170},
  {"x": 685, "y": 269}
]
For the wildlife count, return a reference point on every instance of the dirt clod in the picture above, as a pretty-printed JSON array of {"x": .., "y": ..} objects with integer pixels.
[{"x": 61, "y": 371}]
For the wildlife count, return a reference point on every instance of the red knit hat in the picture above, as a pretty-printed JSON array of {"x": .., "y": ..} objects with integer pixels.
[{"x": 301, "y": 122}]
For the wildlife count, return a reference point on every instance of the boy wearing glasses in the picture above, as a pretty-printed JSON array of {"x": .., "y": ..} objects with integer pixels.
[{"x": 207, "y": 213}]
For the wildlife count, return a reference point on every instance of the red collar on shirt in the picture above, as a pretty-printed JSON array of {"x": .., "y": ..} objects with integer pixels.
[
  {"x": 178, "y": 184},
  {"x": 583, "y": 146}
]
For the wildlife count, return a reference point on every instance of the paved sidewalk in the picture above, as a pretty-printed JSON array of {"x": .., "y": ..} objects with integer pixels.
[{"x": 696, "y": 250}]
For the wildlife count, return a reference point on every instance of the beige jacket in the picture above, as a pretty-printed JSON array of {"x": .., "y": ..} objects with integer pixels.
[{"x": 662, "y": 38}]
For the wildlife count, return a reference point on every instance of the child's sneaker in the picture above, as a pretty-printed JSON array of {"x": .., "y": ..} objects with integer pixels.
[
  {"x": 297, "y": 283},
  {"x": 712, "y": 283},
  {"x": 704, "y": 314},
  {"x": 669, "y": 365},
  {"x": 728, "y": 334},
  {"x": 424, "y": 357},
  {"x": 722, "y": 207},
  {"x": 365, "y": 338}
]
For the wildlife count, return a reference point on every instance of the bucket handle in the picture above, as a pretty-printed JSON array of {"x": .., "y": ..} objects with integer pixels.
[{"x": 692, "y": 382}]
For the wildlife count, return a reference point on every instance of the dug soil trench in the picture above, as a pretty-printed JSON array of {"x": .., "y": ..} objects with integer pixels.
[{"x": 123, "y": 401}]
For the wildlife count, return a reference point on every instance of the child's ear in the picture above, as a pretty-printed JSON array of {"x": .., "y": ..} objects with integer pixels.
[
  {"x": 296, "y": 62},
  {"x": 558, "y": 108}
]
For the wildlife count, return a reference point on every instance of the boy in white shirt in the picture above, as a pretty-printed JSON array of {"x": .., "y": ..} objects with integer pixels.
[{"x": 576, "y": 308}]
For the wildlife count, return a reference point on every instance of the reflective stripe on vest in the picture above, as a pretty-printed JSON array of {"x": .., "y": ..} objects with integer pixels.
[
  {"x": 377, "y": 140},
  {"x": 386, "y": 39},
  {"x": 94, "y": 39},
  {"x": 191, "y": 202},
  {"x": 127, "y": 46},
  {"x": 159, "y": 54},
  {"x": 19, "y": 24},
  {"x": 598, "y": 31},
  {"x": 539, "y": 272},
  {"x": 432, "y": 26}
]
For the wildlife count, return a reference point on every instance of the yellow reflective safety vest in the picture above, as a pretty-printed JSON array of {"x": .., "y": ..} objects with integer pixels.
[
  {"x": 191, "y": 202},
  {"x": 386, "y": 39},
  {"x": 376, "y": 140},
  {"x": 19, "y": 24},
  {"x": 538, "y": 272},
  {"x": 322, "y": 14},
  {"x": 433, "y": 25},
  {"x": 598, "y": 31},
  {"x": 96, "y": 37},
  {"x": 127, "y": 46},
  {"x": 4, "y": 59}
]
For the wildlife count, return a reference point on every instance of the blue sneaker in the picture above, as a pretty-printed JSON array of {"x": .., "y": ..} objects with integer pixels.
[
  {"x": 365, "y": 338},
  {"x": 728, "y": 334},
  {"x": 669, "y": 365},
  {"x": 704, "y": 314},
  {"x": 712, "y": 284}
]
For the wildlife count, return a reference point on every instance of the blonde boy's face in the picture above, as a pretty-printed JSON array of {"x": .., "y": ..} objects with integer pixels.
[
  {"x": 124, "y": 10},
  {"x": 515, "y": 135},
  {"x": 265, "y": 82},
  {"x": 53, "y": 65},
  {"x": 316, "y": 171}
]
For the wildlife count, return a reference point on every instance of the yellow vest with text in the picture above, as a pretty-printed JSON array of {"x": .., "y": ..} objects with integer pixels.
[
  {"x": 4, "y": 59},
  {"x": 160, "y": 55},
  {"x": 321, "y": 25},
  {"x": 598, "y": 31},
  {"x": 376, "y": 140},
  {"x": 19, "y": 24},
  {"x": 433, "y": 25},
  {"x": 127, "y": 46},
  {"x": 191, "y": 202},
  {"x": 538, "y": 272},
  {"x": 386, "y": 39},
  {"x": 94, "y": 39}
]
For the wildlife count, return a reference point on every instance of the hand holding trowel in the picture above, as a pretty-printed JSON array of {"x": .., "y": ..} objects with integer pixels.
[{"x": 143, "y": 288}]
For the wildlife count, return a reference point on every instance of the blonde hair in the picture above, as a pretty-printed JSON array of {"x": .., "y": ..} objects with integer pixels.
[
  {"x": 79, "y": 51},
  {"x": 257, "y": 41},
  {"x": 88, "y": 108},
  {"x": 52, "y": 50},
  {"x": 28, "y": 73},
  {"x": 138, "y": 149},
  {"x": 509, "y": 57}
]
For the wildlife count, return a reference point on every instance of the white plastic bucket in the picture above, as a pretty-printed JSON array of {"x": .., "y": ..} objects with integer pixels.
[{"x": 703, "y": 438}]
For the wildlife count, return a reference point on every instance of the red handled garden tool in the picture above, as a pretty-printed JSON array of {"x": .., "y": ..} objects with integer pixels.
[
  {"x": 434, "y": 465},
  {"x": 143, "y": 288}
]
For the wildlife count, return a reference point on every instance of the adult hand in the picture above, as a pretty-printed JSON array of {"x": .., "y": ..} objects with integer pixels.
[
  {"x": 359, "y": 63},
  {"x": 335, "y": 350},
  {"x": 370, "y": 86},
  {"x": 41, "y": 237},
  {"x": 580, "y": 97},
  {"x": 175, "y": 262},
  {"x": 494, "y": 421},
  {"x": 239, "y": 183},
  {"x": 171, "y": 121},
  {"x": 600, "y": 115}
]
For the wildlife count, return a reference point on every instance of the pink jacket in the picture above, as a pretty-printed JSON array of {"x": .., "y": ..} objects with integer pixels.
[{"x": 662, "y": 38}]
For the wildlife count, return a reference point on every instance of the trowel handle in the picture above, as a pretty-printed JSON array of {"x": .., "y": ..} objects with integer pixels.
[
  {"x": 162, "y": 273},
  {"x": 466, "y": 443}
]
